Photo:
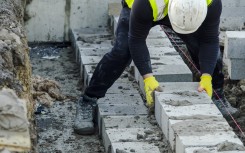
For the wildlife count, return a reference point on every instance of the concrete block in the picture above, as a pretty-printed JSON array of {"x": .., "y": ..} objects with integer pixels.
[
  {"x": 130, "y": 135},
  {"x": 88, "y": 60},
  {"x": 114, "y": 9},
  {"x": 170, "y": 87},
  {"x": 236, "y": 68},
  {"x": 136, "y": 147},
  {"x": 94, "y": 52},
  {"x": 120, "y": 99},
  {"x": 134, "y": 121},
  {"x": 162, "y": 51},
  {"x": 210, "y": 150},
  {"x": 236, "y": 11},
  {"x": 235, "y": 44},
  {"x": 180, "y": 99},
  {"x": 169, "y": 73},
  {"x": 121, "y": 88},
  {"x": 232, "y": 23},
  {"x": 206, "y": 140},
  {"x": 162, "y": 42},
  {"x": 89, "y": 70},
  {"x": 197, "y": 111},
  {"x": 156, "y": 33},
  {"x": 232, "y": 3},
  {"x": 93, "y": 35},
  {"x": 167, "y": 60},
  {"x": 179, "y": 128}
]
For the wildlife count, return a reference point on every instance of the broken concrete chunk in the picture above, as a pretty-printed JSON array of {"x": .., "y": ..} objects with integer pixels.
[{"x": 13, "y": 113}]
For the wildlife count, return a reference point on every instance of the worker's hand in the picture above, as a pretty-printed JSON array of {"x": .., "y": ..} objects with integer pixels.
[
  {"x": 206, "y": 84},
  {"x": 151, "y": 85}
]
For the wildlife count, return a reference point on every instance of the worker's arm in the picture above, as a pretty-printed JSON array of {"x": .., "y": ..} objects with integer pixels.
[
  {"x": 141, "y": 19},
  {"x": 208, "y": 35}
]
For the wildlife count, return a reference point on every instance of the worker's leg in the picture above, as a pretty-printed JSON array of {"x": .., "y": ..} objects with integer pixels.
[
  {"x": 113, "y": 63},
  {"x": 106, "y": 73}
]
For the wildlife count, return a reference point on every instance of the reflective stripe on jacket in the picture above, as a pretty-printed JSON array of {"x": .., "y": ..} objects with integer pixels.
[{"x": 159, "y": 7}]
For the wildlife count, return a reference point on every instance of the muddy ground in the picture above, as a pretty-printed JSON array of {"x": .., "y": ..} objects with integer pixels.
[{"x": 54, "y": 124}]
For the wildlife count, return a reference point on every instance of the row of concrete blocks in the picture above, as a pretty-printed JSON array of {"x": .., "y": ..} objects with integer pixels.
[
  {"x": 122, "y": 110},
  {"x": 187, "y": 118},
  {"x": 191, "y": 122},
  {"x": 234, "y": 54}
]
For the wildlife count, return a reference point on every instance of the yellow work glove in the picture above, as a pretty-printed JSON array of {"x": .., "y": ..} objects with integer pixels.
[
  {"x": 151, "y": 85},
  {"x": 206, "y": 84}
]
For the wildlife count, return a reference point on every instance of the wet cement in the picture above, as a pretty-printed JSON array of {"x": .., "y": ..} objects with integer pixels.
[{"x": 54, "y": 124}]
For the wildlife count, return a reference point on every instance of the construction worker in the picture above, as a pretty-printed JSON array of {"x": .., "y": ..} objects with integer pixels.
[{"x": 195, "y": 21}]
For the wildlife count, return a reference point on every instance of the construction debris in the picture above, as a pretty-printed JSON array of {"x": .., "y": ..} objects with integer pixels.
[
  {"x": 14, "y": 125},
  {"x": 46, "y": 91}
]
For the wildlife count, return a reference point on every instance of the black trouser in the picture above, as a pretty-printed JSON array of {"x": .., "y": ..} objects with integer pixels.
[{"x": 114, "y": 63}]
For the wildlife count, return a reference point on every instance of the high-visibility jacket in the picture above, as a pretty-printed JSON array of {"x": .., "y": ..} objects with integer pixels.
[{"x": 159, "y": 7}]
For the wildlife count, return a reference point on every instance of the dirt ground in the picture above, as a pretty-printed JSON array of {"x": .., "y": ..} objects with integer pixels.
[{"x": 54, "y": 124}]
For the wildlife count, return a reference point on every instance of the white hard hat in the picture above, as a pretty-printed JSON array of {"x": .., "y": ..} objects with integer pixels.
[{"x": 186, "y": 16}]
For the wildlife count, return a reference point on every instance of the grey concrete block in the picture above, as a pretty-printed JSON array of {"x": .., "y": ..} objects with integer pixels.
[
  {"x": 193, "y": 111},
  {"x": 236, "y": 68},
  {"x": 232, "y": 23},
  {"x": 178, "y": 128},
  {"x": 162, "y": 42},
  {"x": 156, "y": 32},
  {"x": 134, "y": 121},
  {"x": 121, "y": 88},
  {"x": 172, "y": 73},
  {"x": 121, "y": 99},
  {"x": 94, "y": 51},
  {"x": 169, "y": 73},
  {"x": 163, "y": 63},
  {"x": 92, "y": 35},
  {"x": 170, "y": 87},
  {"x": 162, "y": 51},
  {"x": 209, "y": 150},
  {"x": 89, "y": 70},
  {"x": 233, "y": 3},
  {"x": 233, "y": 11},
  {"x": 88, "y": 60},
  {"x": 130, "y": 135},
  {"x": 178, "y": 99},
  {"x": 207, "y": 140},
  {"x": 118, "y": 110},
  {"x": 234, "y": 44},
  {"x": 136, "y": 147}
]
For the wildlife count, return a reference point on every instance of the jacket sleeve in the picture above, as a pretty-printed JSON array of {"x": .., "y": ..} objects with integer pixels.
[
  {"x": 209, "y": 38},
  {"x": 141, "y": 19}
]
